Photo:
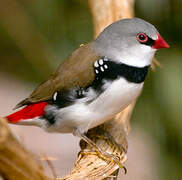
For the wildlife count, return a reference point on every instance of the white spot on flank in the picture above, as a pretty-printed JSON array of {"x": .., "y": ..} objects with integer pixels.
[
  {"x": 80, "y": 92},
  {"x": 105, "y": 59},
  {"x": 102, "y": 69},
  {"x": 55, "y": 96},
  {"x": 105, "y": 66},
  {"x": 101, "y": 62},
  {"x": 96, "y": 64},
  {"x": 96, "y": 71}
]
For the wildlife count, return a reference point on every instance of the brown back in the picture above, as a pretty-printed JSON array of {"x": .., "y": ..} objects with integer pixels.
[{"x": 76, "y": 71}]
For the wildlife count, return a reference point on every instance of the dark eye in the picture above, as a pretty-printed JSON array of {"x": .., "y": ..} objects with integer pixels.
[{"x": 142, "y": 37}]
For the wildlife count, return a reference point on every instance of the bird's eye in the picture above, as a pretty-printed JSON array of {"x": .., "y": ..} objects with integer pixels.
[{"x": 142, "y": 37}]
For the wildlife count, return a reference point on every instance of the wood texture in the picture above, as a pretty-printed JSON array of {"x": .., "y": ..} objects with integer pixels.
[{"x": 105, "y": 12}]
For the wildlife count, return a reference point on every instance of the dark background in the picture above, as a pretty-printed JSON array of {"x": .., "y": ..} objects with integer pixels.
[{"x": 36, "y": 36}]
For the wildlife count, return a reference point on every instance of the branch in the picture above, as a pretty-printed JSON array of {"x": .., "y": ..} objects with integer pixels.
[
  {"x": 15, "y": 162},
  {"x": 105, "y": 12},
  {"x": 91, "y": 166}
]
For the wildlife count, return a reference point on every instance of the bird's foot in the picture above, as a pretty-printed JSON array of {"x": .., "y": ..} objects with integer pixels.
[
  {"x": 97, "y": 151},
  {"x": 106, "y": 156}
]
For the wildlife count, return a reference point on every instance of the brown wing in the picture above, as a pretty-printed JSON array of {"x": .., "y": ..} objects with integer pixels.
[{"x": 76, "y": 71}]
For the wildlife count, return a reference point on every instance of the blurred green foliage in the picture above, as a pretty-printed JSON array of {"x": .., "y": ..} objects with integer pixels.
[{"x": 36, "y": 36}]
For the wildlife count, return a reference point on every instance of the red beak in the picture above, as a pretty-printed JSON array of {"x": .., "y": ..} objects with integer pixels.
[{"x": 160, "y": 43}]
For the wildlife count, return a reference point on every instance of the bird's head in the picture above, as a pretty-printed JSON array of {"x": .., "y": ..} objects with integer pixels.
[{"x": 130, "y": 41}]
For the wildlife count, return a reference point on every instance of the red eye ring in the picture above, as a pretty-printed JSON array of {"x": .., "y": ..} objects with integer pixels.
[{"x": 142, "y": 37}]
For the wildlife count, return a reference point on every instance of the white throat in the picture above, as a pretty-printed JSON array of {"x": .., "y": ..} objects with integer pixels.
[{"x": 137, "y": 56}]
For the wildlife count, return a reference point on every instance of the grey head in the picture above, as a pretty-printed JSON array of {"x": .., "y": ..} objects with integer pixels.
[{"x": 128, "y": 41}]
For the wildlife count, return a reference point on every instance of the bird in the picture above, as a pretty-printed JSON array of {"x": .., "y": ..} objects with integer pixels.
[{"x": 94, "y": 83}]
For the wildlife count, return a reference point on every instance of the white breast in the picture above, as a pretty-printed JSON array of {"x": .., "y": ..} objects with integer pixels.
[
  {"x": 114, "y": 99},
  {"x": 118, "y": 94}
]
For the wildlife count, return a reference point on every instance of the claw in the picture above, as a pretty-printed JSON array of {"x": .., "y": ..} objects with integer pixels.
[
  {"x": 97, "y": 151},
  {"x": 106, "y": 156}
]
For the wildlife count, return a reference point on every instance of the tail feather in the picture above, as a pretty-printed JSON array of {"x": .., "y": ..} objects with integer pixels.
[{"x": 28, "y": 112}]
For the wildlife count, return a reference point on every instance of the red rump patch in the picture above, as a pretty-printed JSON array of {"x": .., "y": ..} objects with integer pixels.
[{"x": 28, "y": 112}]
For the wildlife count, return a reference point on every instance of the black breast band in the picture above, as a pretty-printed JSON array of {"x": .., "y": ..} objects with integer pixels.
[{"x": 107, "y": 69}]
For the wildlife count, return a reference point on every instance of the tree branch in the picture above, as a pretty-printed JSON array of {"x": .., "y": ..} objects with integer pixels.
[
  {"x": 91, "y": 166},
  {"x": 15, "y": 162}
]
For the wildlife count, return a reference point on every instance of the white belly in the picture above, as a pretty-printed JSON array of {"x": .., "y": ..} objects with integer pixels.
[
  {"x": 117, "y": 97},
  {"x": 84, "y": 116}
]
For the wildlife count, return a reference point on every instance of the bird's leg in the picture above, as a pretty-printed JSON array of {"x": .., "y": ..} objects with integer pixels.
[{"x": 97, "y": 151}]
